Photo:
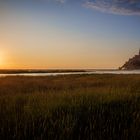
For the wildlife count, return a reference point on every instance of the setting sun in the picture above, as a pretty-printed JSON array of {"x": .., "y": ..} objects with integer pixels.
[{"x": 2, "y": 59}]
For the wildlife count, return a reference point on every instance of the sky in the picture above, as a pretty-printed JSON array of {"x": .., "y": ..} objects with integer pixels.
[{"x": 77, "y": 34}]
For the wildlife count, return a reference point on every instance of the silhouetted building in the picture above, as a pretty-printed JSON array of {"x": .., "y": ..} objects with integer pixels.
[{"x": 132, "y": 63}]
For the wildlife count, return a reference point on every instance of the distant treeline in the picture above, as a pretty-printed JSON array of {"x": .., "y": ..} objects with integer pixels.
[{"x": 15, "y": 71}]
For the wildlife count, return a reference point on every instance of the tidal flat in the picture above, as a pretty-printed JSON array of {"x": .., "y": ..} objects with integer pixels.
[{"x": 70, "y": 107}]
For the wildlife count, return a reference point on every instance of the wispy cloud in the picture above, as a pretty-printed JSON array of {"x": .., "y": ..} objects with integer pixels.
[
  {"x": 61, "y": 1},
  {"x": 123, "y": 7}
]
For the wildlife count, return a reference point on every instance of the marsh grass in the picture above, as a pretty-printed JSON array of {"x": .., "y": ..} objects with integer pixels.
[{"x": 72, "y": 107}]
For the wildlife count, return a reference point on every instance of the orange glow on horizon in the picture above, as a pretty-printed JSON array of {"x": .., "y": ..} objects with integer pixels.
[
  {"x": 3, "y": 56},
  {"x": 2, "y": 59}
]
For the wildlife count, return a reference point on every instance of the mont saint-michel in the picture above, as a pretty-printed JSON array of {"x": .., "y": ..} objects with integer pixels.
[{"x": 132, "y": 64}]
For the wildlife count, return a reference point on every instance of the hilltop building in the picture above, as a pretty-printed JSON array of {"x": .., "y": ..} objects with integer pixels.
[{"x": 132, "y": 64}]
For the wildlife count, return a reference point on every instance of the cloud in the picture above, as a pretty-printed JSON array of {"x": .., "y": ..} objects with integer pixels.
[
  {"x": 123, "y": 7},
  {"x": 58, "y": 1},
  {"x": 61, "y": 1}
]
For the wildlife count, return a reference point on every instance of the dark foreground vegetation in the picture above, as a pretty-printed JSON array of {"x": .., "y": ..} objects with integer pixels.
[{"x": 72, "y": 107}]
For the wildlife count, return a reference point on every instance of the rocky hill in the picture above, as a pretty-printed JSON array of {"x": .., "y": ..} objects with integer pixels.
[{"x": 132, "y": 63}]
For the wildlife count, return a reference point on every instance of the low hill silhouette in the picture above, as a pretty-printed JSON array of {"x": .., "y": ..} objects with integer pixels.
[{"x": 132, "y": 64}]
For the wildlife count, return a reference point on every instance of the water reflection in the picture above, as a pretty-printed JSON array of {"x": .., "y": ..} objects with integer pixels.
[{"x": 73, "y": 73}]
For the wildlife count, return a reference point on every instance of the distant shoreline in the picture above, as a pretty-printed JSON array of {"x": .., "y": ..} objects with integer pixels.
[{"x": 20, "y": 71}]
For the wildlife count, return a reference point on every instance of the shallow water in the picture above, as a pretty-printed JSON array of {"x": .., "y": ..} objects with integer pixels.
[{"x": 73, "y": 73}]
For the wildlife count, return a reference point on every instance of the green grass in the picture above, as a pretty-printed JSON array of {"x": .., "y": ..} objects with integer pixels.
[{"x": 72, "y": 107}]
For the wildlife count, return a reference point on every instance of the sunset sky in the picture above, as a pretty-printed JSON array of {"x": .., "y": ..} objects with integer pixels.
[{"x": 68, "y": 33}]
